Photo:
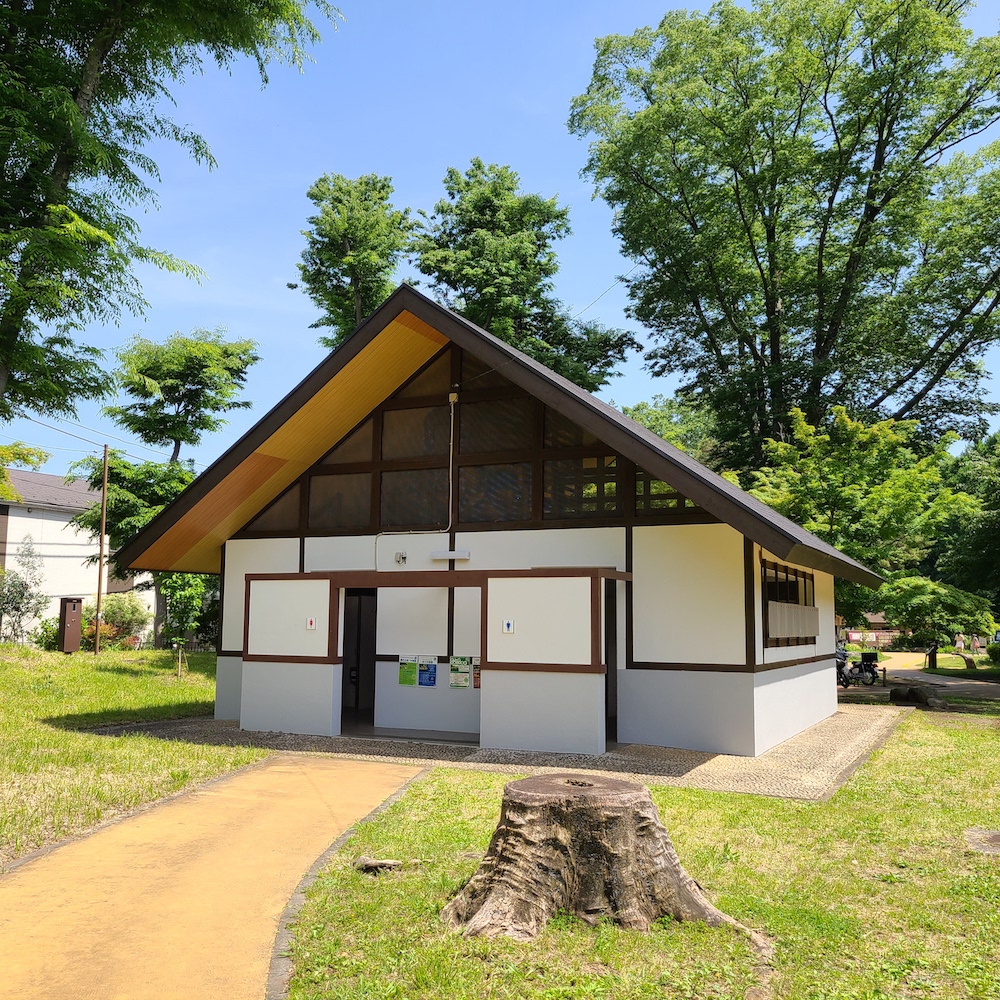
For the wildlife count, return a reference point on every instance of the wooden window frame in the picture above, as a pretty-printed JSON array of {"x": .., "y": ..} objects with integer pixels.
[{"x": 808, "y": 592}]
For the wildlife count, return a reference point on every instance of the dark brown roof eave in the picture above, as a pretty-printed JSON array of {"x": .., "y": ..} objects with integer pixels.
[{"x": 716, "y": 495}]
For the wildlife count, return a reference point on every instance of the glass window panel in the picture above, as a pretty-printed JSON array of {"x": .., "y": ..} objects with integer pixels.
[
  {"x": 479, "y": 375},
  {"x": 357, "y": 447},
  {"x": 563, "y": 433},
  {"x": 415, "y": 496},
  {"x": 434, "y": 381},
  {"x": 340, "y": 501},
  {"x": 415, "y": 433},
  {"x": 654, "y": 495},
  {"x": 580, "y": 487},
  {"x": 494, "y": 492},
  {"x": 282, "y": 515},
  {"x": 497, "y": 425}
]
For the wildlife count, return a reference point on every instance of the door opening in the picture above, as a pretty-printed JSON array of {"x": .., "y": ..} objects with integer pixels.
[{"x": 358, "y": 691}]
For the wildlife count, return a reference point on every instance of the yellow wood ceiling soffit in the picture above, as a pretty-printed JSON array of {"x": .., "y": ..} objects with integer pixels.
[
  {"x": 193, "y": 543},
  {"x": 253, "y": 477},
  {"x": 376, "y": 373}
]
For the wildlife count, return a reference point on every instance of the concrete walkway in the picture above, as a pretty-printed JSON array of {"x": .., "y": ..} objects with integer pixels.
[{"x": 182, "y": 901}]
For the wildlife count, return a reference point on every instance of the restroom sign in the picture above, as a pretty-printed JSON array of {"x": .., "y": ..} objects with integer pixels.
[
  {"x": 311, "y": 623},
  {"x": 508, "y": 626}
]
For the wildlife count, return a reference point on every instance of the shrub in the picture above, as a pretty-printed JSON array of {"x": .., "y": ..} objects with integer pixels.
[
  {"x": 108, "y": 635},
  {"x": 126, "y": 613},
  {"x": 45, "y": 635},
  {"x": 993, "y": 652}
]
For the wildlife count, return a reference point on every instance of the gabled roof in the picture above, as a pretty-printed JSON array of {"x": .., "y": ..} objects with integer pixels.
[
  {"x": 406, "y": 331},
  {"x": 39, "y": 489}
]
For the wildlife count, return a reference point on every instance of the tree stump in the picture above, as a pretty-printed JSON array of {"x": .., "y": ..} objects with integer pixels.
[{"x": 588, "y": 845}]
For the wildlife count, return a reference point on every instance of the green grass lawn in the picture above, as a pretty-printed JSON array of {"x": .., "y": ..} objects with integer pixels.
[
  {"x": 953, "y": 666},
  {"x": 873, "y": 895},
  {"x": 56, "y": 779}
]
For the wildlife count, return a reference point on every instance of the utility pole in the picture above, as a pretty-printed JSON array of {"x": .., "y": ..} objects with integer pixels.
[{"x": 100, "y": 559}]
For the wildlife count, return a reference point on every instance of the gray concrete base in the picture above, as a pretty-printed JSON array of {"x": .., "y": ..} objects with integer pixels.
[{"x": 228, "y": 687}]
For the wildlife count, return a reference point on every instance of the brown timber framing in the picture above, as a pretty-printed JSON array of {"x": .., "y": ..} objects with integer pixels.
[
  {"x": 189, "y": 533},
  {"x": 733, "y": 668},
  {"x": 536, "y": 456},
  {"x": 450, "y": 579}
]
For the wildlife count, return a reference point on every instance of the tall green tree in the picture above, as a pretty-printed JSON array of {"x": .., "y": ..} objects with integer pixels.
[
  {"x": 684, "y": 424},
  {"x": 82, "y": 84},
  {"x": 181, "y": 387},
  {"x": 787, "y": 175},
  {"x": 137, "y": 492},
  {"x": 489, "y": 250},
  {"x": 969, "y": 553},
  {"x": 935, "y": 611},
  {"x": 864, "y": 490},
  {"x": 21, "y": 456},
  {"x": 353, "y": 245}
]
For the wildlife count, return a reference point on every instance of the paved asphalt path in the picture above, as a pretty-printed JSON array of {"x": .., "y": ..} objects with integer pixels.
[
  {"x": 181, "y": 901},
  {"x": 906, "y": 667}
]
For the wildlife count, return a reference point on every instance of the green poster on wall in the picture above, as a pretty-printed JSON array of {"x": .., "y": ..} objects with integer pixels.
[
  {"x": 460, "y": 671},
  {"x": 408, "y": 671}
]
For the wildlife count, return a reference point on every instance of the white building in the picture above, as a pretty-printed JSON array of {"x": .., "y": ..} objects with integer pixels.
[
  {"x": 47, "y": 505},
  {"x": 427, "y": 493}
]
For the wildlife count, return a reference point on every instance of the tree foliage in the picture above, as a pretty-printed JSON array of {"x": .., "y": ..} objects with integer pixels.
[
  {"x": 184, "y": 597},
  {"x": 675, "y": 419},
  {"x": 353, "y": 245},
  {"x": 22, "y": 599},
  {"x": 20, "y": 456},
  {"x": 82, "y": 84},
  {"x": 969, "y": 555},
  {"x": 137, "y": 492},
  {"x": 181, "y": 386},
  {"x": 864, "y": 490},
  {"x": 488, "y": 249},
  {"x": 788, "y": 176},
  {"x": 929, "y": 607}
]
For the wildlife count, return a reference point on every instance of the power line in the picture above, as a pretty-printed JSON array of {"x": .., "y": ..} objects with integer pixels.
[
  {"x": 96, "y": 444},
  {"x": 113, "y": 437},
  {"x": 617, "y": 281}
]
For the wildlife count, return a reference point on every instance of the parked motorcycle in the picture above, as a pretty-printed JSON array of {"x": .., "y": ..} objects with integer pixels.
[
  {"x": 842, "y": 678},
  {"x": 861, "y": 672}
]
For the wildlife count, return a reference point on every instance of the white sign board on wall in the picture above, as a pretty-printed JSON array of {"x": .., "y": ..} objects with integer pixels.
[{"x": 289, "y": 619}]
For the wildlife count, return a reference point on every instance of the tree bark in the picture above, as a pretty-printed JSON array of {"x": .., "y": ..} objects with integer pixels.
[{"x": 587, "y": 845}]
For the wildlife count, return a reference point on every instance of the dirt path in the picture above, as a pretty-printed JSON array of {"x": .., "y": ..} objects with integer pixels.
[{"x": 182, "y": 900}]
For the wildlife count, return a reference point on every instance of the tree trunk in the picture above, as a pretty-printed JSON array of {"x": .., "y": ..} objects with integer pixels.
[{"x": 587, "y": 845}]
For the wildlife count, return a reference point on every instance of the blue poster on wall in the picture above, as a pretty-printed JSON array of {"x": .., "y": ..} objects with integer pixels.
[{"x": 427, "y": 675}]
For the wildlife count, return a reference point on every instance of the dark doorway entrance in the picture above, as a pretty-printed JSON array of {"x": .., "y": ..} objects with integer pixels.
[
  {"x": 358, "y": 692},
  {"x": 611, "y": 661}
]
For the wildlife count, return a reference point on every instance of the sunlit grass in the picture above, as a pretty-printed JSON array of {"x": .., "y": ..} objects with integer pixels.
[
  {"x": 870, "y": 896},
  {"x": 56, "y": 780}
]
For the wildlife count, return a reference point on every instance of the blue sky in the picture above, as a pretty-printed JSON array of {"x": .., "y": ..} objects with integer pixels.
[{"x": 400, "y": 89}]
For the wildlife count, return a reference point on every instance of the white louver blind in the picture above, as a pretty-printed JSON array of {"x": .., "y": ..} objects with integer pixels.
[{"x": 790, "y": 621}]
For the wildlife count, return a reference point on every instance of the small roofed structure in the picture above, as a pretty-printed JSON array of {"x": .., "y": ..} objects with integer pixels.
[{"x": 434, "y": 533}]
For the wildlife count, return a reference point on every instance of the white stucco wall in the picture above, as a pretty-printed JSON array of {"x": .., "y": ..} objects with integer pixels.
[
  {"x": 291, "y": 698},
  {"x": 535, "y": 710},
  {"x": 412, "y": 620},
  {"x": 442, "y": 707},
  {"x": 279, "y": 614},
  {"x": 688, "y": 594},
  {"x": 251, "y": 555},
  {"x": 554, "y": 547},
  {"x": 468, "y": 621},
  {"x": 791, "y": 699},
  {"x": 689, "y": 709},
  {"x": 62, "y": 548},
  {"x": 228, "y": 686},
  {"x": 551, "y": 617}
]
